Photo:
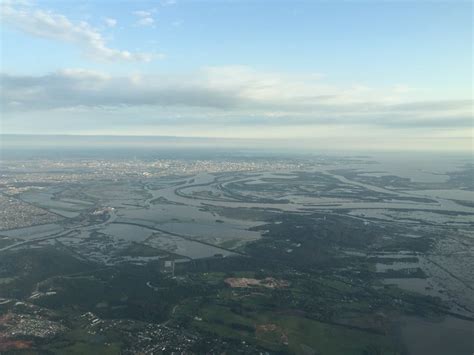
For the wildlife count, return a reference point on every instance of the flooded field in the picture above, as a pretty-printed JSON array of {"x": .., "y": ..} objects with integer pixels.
[{"x": 410, "y": 234}]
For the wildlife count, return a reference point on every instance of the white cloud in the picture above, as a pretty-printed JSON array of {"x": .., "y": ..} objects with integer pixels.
[
  {"x": 235, "y": 95},
  {"x": 142, "y": 13},
  {"x": 168, "y": 2},
  {"x": 110, "y": 22},
  {"x": 54, "y": 26},
  {"x": 146, "y": 21},
  {"x": 144, "y": 17}
]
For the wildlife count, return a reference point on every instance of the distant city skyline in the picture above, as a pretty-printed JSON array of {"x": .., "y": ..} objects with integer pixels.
[{"x": 364, "y": 75}]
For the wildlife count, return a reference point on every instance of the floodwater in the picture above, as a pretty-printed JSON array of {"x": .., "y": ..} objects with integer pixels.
[
  {"x": 454, "y": 194},
  {"x": 186, "y": 248},
  {"x": 127, "y": 232},
  {"x": 37, "y": 231},
  {"x": 216, "y": 230},
  {"x": 68, "y": 208}
]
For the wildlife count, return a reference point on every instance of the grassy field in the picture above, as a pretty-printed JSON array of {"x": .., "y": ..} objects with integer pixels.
[
  {"x": 293, "y": 333},
  {"x": 78, "y": 341}
]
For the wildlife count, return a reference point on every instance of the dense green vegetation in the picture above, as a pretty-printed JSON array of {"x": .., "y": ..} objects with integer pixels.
[{"x": 332, "y": 301}]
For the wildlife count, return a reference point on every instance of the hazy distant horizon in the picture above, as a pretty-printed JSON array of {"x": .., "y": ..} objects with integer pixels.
[{"x": 91, "y": 141}]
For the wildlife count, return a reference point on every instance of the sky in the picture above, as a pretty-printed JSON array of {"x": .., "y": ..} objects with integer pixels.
[{"x": 383, "y": 75}]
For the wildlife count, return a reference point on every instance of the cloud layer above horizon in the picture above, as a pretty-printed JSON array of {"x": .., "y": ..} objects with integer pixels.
[{"x": 208, "y": 100}]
